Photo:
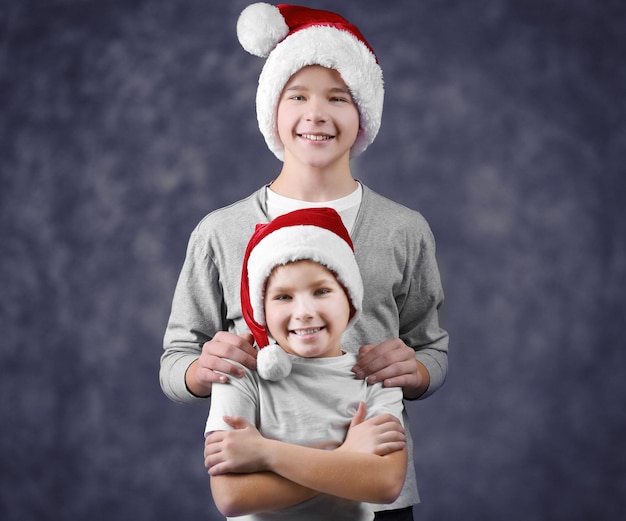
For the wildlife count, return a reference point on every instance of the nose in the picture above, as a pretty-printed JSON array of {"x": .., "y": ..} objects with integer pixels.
[
  {"x": 315, "y": 111},
  {"x": 303, "y": 309}
]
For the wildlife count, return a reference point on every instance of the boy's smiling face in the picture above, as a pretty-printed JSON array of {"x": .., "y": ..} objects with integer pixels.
[
  {"x": 317, "y": 120},
  {"x": 306, "y": 309}
]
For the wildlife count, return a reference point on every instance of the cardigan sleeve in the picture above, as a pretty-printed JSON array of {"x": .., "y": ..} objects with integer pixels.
[
  {"x": 419, "y": 316},
  {"x": 195, "y": 317}
]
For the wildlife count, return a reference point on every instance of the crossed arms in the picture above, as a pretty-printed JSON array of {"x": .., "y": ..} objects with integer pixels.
[{"x": 250, "y": 473}]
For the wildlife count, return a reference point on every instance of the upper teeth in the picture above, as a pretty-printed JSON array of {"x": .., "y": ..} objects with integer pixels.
[
  {"x": 306, "y": 331},
  {"x": 315, "y": 137}
]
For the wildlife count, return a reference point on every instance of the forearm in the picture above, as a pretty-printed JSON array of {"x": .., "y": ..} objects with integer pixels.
[
  {"x": 175, "y": 363},
  {"x": 241, "y": 494},
  {"x": 431, "y": 365},
  {"x": 350, "y": 475},
  {"x": 434, "y": 362}
]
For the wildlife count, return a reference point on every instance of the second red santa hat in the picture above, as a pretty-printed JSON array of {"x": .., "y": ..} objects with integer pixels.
[{"x": 316, "y": 234}]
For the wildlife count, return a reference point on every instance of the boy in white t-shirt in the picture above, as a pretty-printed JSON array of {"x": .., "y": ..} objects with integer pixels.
[{"x": 283, "y": 431}]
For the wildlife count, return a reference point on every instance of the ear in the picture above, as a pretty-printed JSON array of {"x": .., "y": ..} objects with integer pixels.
[{"x": 352, "y": 310}]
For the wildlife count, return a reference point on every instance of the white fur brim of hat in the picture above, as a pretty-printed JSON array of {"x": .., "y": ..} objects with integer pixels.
[
  {"x": 295, "y": 243},
  {"x": 260, "y": 25}
]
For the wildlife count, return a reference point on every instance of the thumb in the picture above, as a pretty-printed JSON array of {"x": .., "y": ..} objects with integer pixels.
[
  {"x": 359, "y": 415},
  {"x": 237, "y": 422}
]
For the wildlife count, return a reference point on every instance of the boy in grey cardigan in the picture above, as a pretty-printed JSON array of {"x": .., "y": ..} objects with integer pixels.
[{"x": 319, "y": 103}]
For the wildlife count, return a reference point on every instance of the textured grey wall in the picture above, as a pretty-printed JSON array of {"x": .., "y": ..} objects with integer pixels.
[{"x": 123, "y": 122}]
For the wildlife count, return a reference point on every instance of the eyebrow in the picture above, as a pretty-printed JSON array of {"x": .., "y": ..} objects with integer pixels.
[
  {"x": 317, "y": 282},
  {"x": 340, "y": 90}
]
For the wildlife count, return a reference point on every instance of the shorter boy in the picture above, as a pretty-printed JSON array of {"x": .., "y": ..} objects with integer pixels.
[{"x": 281, "y": 441}]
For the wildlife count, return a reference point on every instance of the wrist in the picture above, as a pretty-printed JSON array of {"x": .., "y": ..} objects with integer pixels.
[
  {"x": 420, "y": 384},
  {"x": 271, "y": 453},
  {"x": 196, "y": 388}
]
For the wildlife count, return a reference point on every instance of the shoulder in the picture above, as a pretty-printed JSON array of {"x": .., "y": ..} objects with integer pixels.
[
  {"x": 232, "y": 216},
  {"x": 377, "y": 207},
  {"x": 383, "y": 217},
  {"x": 229, "y": 226},
  {"x": 248, "y": 383}
]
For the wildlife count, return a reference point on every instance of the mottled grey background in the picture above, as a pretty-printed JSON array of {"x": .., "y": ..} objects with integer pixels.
[{"x": 123, "y": 122}]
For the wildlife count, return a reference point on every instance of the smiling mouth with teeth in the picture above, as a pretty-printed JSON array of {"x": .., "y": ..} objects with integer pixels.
[{"x": 315, "y": 137}]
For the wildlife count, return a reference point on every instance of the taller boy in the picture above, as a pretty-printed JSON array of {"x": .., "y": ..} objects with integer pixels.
[{"x": 319, "y": 103}]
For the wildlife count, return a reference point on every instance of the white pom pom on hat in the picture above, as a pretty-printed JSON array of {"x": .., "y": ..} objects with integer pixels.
[
  {"x": 273, "y": 363},
  {"x": 260, "y": 27},
  {"x": 292, "y": 37},
  {"x": 316, "y": 234}
]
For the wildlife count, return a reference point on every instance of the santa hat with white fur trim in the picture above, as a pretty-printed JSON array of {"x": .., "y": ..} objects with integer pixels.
[
  {"x": 292, "y": 37},
  {"x": 316, "y": 234}
]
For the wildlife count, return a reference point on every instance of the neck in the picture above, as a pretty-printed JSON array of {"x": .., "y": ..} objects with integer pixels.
[{"x": 314, "y": 185}]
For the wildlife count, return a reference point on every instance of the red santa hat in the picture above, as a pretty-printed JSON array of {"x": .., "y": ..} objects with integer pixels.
[
  {"x": 316, "y": 234},
  {"x": 292, "y": 37}
]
